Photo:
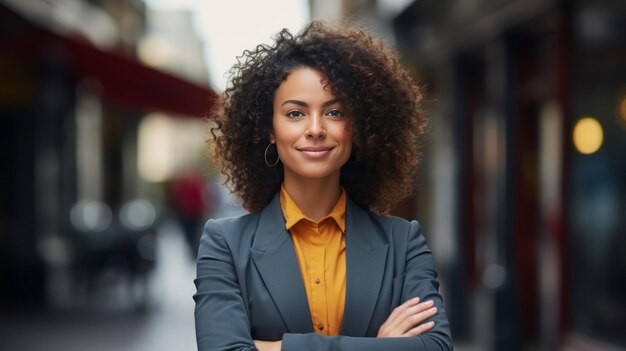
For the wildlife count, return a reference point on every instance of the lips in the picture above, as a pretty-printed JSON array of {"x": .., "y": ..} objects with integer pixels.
[{"x": 315, "y": 151}]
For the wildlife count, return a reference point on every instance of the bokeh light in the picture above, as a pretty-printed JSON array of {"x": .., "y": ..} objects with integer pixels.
[
  {"x": 155, "y": 150},
  {"x": 137, "y": 214},
  {"x": 588, "y": 135},
  {"x": 91, "y": 216}
]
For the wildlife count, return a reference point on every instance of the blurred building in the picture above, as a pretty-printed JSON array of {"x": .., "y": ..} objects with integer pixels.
[
  {"x": 172, "y": 45},
  {"x": 522, "y": 192},
  {"x": 72, "y": 96},
  {"x": 538, "y": 164}
]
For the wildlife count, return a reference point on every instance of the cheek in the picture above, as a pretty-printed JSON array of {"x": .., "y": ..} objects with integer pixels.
[
  {"x": 349, "y": 133},
  {"x": 345, "y": 134},
  {"x": 278, "y": 130},
  {"x": 348, "y": 140},
  {"x": 285, "y": 134}
]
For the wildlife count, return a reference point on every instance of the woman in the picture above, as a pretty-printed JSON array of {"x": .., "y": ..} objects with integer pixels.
[{"x": 317, "y": 136}]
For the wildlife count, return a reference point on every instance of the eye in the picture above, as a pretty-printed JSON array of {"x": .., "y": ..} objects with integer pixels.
[
  {"x": 335, "y": 113},
  {"x": 294, "y": 114}
]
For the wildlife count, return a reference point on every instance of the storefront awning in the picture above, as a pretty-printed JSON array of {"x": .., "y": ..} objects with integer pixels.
[
  {"x": 123, "y": 80},
  {"x": 128, "y": 82}
]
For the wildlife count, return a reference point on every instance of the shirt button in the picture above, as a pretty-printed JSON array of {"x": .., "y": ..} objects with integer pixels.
[
  {"x": 317, "y": 281},
  {"x": 320, "y": 327}
]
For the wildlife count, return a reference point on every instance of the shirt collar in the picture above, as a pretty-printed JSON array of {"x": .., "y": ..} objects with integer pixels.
[{"x": 293, "y": 214}]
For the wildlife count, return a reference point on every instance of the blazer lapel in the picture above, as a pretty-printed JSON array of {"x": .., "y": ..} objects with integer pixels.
[
  {"x": 274, "y": 256},
  {"x": 366, "y": 255}
]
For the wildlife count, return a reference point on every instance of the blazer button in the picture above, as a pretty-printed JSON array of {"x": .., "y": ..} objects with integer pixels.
[
  {"x": 320, "y": 327},
  {"x": 317, "y": 281}
]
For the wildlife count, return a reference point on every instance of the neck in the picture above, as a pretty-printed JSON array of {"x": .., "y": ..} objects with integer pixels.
[{"x": 315, "y": 197}]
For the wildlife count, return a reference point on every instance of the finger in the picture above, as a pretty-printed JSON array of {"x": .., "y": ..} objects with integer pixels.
[
  {"x": 387, "y": 327},
  {"x": 398, "y": 310},
  {"x": 420, "y": 329},
  {"x": 415, "y": 319},
  {"x": 405, "y": 314},
  {"x": 418, "y": 308}
]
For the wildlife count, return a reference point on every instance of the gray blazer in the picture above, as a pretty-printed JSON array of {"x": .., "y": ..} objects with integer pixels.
[{"x": 249, "y": 284}]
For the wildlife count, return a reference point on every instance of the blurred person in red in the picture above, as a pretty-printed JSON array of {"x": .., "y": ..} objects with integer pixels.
[{"x": 189, "y": 199}]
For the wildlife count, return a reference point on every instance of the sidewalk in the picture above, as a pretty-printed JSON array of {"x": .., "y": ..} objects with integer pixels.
[{"x": 109, "y": 323}]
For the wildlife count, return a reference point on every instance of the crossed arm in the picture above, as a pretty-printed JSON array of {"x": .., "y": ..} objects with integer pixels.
[
  {"x": 405, "y": 320},
  {"x": 222, "y": 320}
]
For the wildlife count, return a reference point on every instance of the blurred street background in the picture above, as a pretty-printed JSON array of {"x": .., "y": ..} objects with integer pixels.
[{"x": 106, "y": 178}]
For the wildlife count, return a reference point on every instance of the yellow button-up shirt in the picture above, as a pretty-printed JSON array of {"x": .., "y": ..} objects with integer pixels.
[{"x": 321, "y": 251}]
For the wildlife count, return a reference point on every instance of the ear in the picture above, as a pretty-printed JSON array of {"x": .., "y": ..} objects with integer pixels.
[{"x": 272, "y": 139}]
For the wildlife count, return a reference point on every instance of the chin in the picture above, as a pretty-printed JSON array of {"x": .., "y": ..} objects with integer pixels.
[{"x": 314, "y": 173}]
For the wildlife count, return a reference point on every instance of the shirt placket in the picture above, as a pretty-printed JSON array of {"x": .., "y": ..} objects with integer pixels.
[{"x": 318, "y": 283}]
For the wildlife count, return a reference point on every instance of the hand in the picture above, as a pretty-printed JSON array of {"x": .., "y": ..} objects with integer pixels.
[
  {"x": 406, "y": 319},
  {"x": 268, "y": 345}
]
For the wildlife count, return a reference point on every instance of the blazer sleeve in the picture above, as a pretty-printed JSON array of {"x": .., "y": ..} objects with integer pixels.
[
  {"x": 222, "y": 321},
  {"x": 420, "y": 281}
]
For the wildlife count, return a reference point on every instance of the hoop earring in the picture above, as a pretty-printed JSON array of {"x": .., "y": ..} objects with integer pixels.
[{"x": 277, "y": 159}]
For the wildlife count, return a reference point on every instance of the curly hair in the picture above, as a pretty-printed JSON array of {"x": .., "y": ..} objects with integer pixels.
[{"x": 380, "y": 95}]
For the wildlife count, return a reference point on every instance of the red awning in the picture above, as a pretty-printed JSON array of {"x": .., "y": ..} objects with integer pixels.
[
  {"x": 128, "y": 82},
  {"x": 124, "y": 80}
]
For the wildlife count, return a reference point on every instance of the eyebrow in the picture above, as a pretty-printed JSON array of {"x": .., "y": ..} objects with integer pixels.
[{"x": 304, "y": 104}]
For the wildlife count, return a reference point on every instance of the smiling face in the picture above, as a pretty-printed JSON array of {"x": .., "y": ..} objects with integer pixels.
[{"x": 311, "y": 131}]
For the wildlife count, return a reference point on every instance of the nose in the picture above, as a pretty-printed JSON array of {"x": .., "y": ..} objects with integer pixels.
[{"x": 316, "y": 128}]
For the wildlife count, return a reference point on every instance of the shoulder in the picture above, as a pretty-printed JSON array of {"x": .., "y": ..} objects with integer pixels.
[
  {"x": 232, "y": 228},
  {"x": 404, "y": 236},
  {"x": 390, "y": 229},
  {"x": 227, "y": 239},
  {"x": 395, "y": 226}
]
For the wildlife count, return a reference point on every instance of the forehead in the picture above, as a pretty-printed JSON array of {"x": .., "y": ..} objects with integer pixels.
[{"x": 304, "y": 84}]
